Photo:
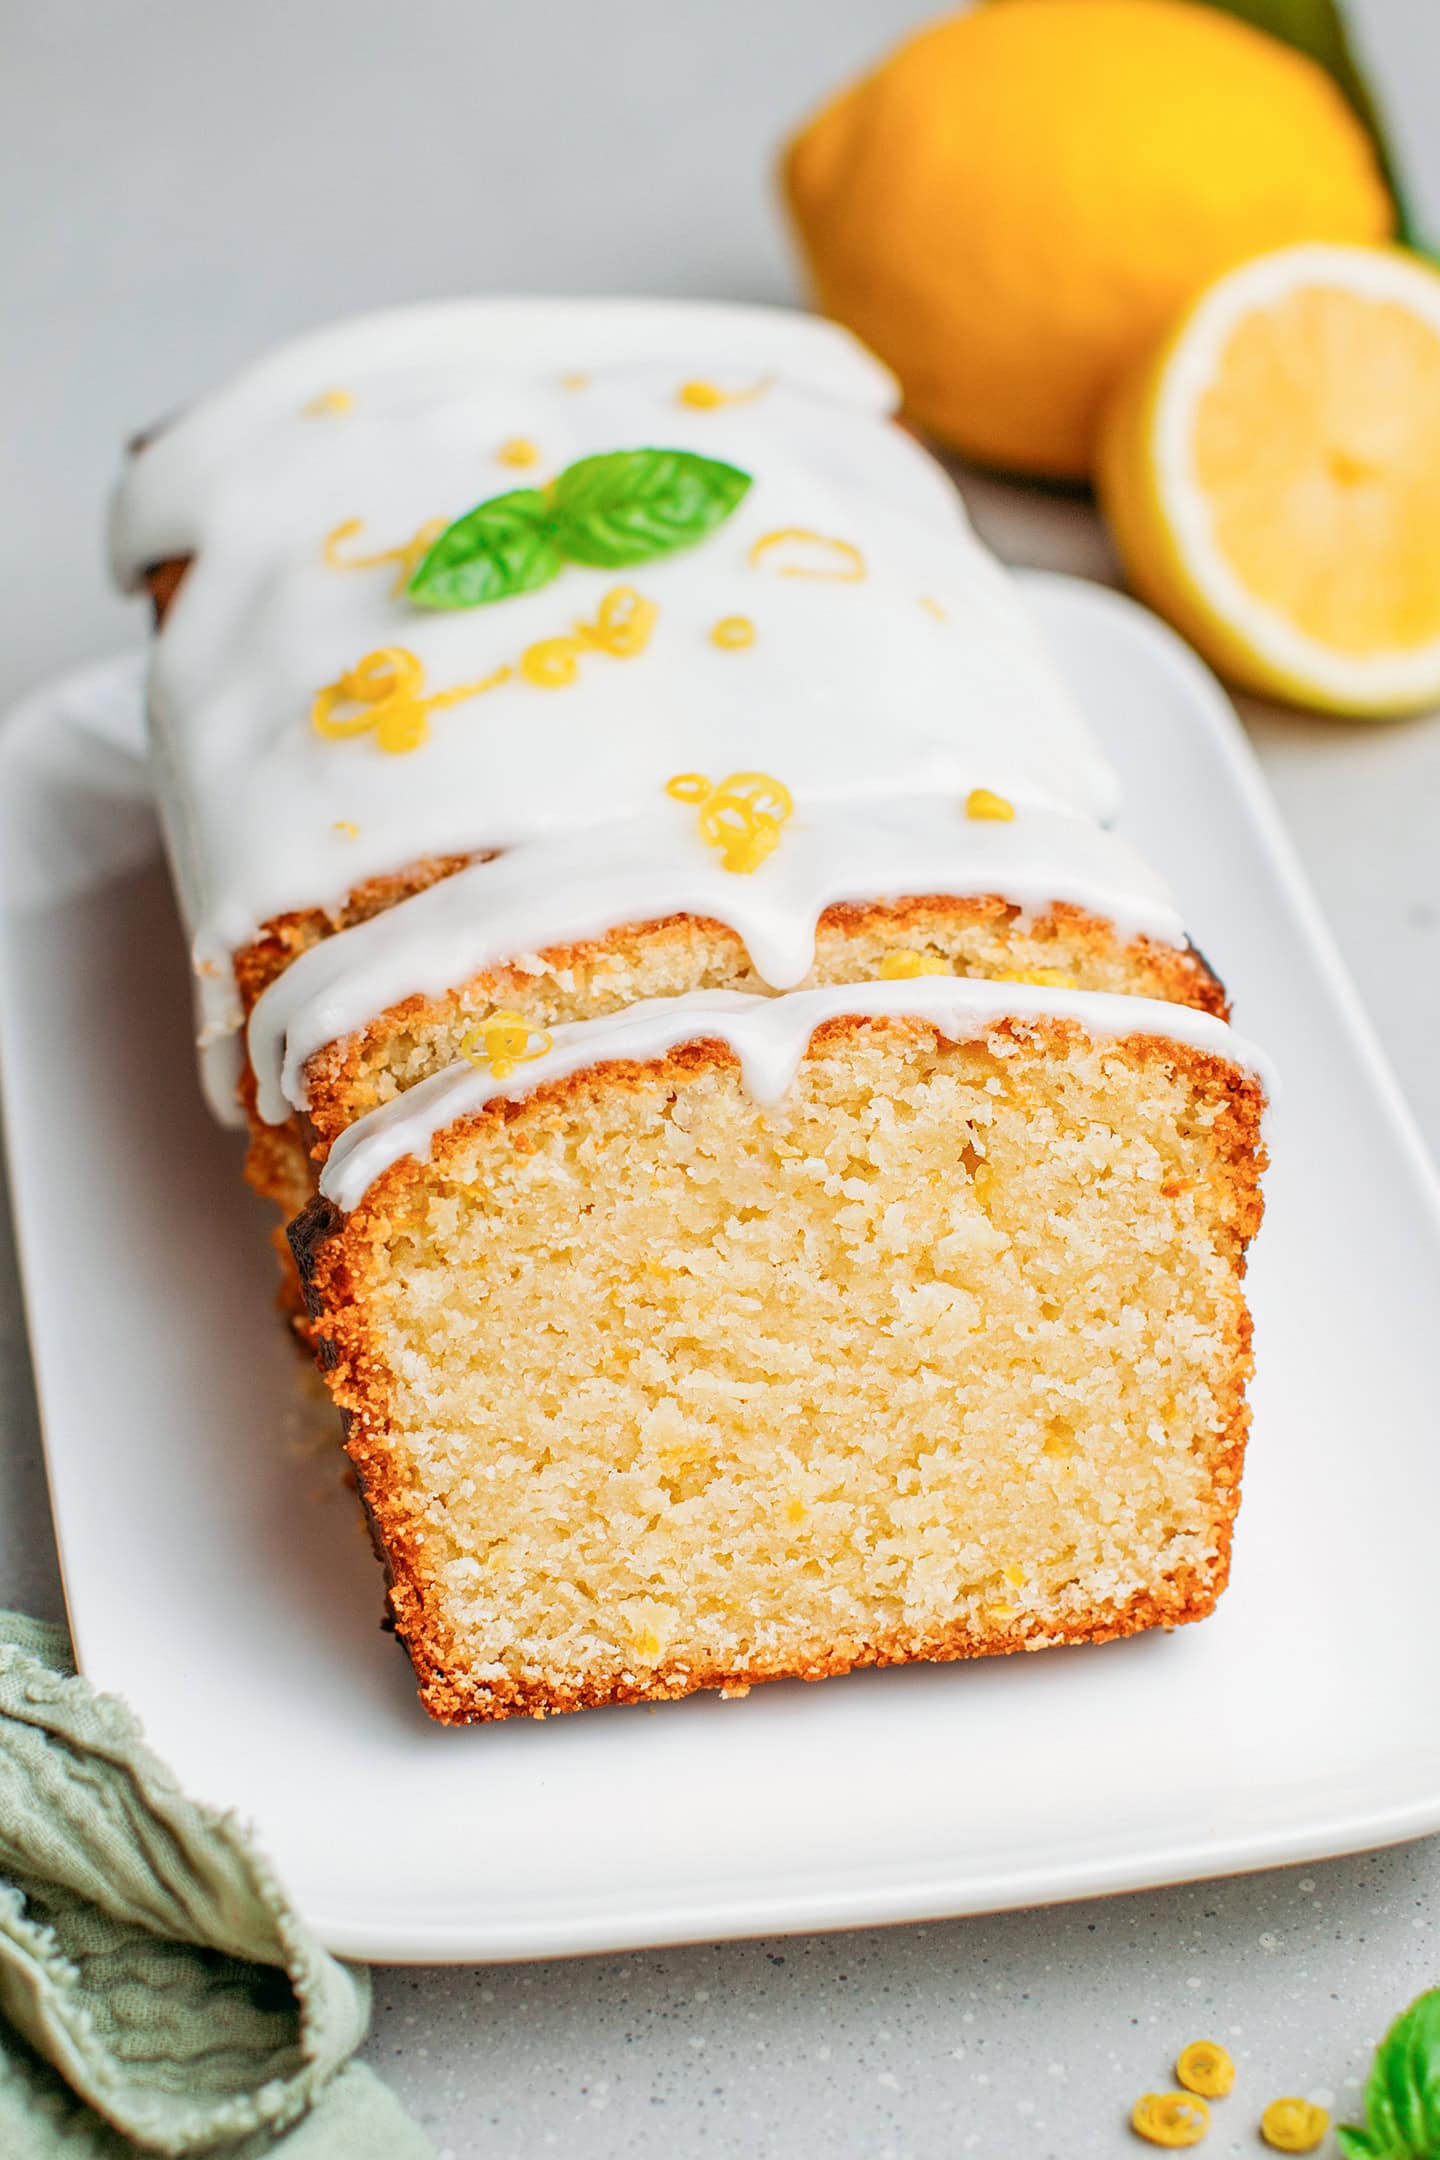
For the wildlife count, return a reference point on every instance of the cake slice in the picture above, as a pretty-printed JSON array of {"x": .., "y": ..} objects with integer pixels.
[{"x": 738, "y": 1338}]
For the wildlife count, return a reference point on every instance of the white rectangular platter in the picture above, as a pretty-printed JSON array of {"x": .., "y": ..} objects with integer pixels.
[{"x": 217, "y": 1577}]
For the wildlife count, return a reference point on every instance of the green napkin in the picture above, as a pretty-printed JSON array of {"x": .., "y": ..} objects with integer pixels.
[{"x": 158, "y": 1991}]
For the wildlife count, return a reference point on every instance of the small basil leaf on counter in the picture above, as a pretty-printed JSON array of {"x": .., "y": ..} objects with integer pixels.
[{"x": 1402, "y": 2092}]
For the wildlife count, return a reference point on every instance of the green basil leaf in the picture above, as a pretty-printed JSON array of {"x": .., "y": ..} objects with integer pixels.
[
  {"x": 505, "y": 546},
  {"x": 1402, "y": 2093},
  {"x": 628, "y": 506}
]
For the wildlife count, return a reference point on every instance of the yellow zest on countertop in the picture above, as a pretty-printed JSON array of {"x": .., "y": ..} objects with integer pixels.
[
  {"x": 733, "y": 633},
  {"x": 575, "y": 380},
  {"x": 981, "y": 802},
  {"x": 388, "y": 686},
  {"x": 933, "y": 607},
  {"x": 407, "y": 557},
  {"x": 1293, "y": 2125},
  {"x": 327, "y": 403},
  {"x": 622, "y": 626},
  {"x": 904, "y": 963},
  {"x": 502, "y": 1042},
  {"x": 1045, "y": 978},
  {"x": 1206, "y": 2067},
  {"x": 518, "y": 451},
  {"x": 346, "y": 829},
  {"x": 1170, "y": 2119},
  {"x": 742, "y": 817},
  {"x": 709, "y": 397},
  {"x": 837, "y": 558}
]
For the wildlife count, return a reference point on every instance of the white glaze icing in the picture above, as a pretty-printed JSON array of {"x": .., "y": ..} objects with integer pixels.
[
  {"x": 769, "y": 1036},
  {"x": 852, "y": 692},
  {"x": 561, "y": 891}
]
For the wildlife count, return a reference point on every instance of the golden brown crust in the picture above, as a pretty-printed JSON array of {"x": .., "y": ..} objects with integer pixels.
[{"x": 337, "y": 1253}]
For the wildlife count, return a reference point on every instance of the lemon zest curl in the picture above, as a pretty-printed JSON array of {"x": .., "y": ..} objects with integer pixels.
[
  {"x": 702, "y": 396},
  {"x": 502, "y": 1042},
  {"x": 1173, "y": 2120},
  {"x": 1293, "y": 2126},
  {"x": 622, "y": 627},
  {"x": 846, "y": 563},
  {"x": 743, "y": 816},
  {"x": 388, "y": 687},
  {"x": 408, "y": 556}
]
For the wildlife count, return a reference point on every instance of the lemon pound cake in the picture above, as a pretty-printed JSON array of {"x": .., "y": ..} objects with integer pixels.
[
  {"x": 747, "y": 1337},
  {"x": 624, "y": 818}
]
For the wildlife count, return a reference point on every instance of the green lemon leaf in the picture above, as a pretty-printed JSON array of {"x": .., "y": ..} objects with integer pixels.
[
  {"x": 1402, "y": 2093},
  {"x": 628, "y": 506},
  {"x": 505, "y": 546}
]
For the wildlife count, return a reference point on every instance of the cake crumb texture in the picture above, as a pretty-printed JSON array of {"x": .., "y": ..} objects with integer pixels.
[{"x": 652, "y": 1387}]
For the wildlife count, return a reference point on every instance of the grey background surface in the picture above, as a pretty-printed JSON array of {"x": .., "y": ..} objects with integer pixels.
[{"x": 186, "y": 182}]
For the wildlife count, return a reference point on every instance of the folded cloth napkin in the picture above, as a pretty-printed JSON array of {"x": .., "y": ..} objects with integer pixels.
[{"x": 162, "y": 1994}]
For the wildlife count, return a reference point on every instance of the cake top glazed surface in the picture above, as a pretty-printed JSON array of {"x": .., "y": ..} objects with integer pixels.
[
  {"x": 896, "y": 663},
  {"x": 806, "y": 621}
]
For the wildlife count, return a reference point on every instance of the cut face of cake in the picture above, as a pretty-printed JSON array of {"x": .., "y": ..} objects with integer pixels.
[
  {"x": 768, "y": 1160},
  {"x": 764, "y": 1337}
]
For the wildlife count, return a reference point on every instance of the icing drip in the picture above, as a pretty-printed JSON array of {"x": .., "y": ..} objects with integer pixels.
[
  {"x": 560, "y": 892},
  {"x": 769, "y": 1036}
]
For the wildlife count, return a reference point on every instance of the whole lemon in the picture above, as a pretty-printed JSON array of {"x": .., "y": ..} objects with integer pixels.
[{"x": 1023, "y": 197}]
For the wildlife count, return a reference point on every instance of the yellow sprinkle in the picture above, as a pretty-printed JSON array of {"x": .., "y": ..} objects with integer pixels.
[
  {"x": 574, "y": 381},
  {"x": 346, "y": 830},
  {"x": 518, "y": 451},
  {"x": 997, "y": 1615},
  {"x": 742, "y": 817},
  {"x": 933, "y": 607},
  {"x": 1015, "y": 1576},
  {"x": 1293, "y": 2125},
  {"x": 838, "y": 558},
  {"x": 329, "y": 401},
  {"x": 901, "y": 964},
  {"x": 1061, "y": 1444},
  {"x": 407, "y": 556},
  {"x": 796, "y": 1511},
  {"x": 1046, "y": 978},
  {"x": 502, "y": 1042},
  {"x": 387, "y": 686},
  {"x": 708, "y": 396},
  {"x": 733, "y": 632},
  {"x": 1170, "y": 2119},
  {"x": 980, "y": 803},
  {"x": 1206, "y": 2067}
]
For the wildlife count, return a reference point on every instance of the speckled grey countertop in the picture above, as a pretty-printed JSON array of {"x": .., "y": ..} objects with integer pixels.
[{"x": 196, "y": 181}]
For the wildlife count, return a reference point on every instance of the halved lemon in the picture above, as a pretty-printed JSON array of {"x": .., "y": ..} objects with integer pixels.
[{"x": 1272, "y": 478}]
